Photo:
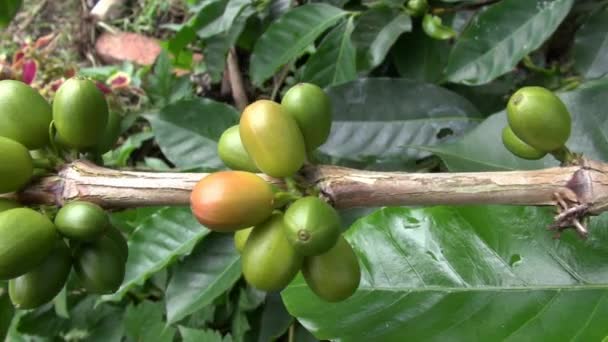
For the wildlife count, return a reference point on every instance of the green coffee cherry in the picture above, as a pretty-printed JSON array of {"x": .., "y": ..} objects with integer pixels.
[
  {"x": 417, "y": 7},
  {"x": 80, "y": 113},
  {"x": 434, "y": 28},
  {"x": 99, "y": 265},
  {"x": 518, "y": 147},
  {"x": 26, "y": 238},
  {"x": 539, "y": 118},
  {"x": 233, "y": 153},
  {"x": 25, "y": 115},
  {"x": 272, "y": 139},
  {"x": 44, "y": 282},
  {"x": 269, "y": 261},
  {"x": 311, "y": 108},
  {"x": 16, "y": 166},
  {"x": 312, "y": 226},
  {"x": 82, "y": 221},
  {"x": 334, "y": 275}
]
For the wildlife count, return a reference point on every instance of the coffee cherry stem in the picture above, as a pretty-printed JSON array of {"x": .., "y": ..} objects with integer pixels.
[
  {"x": 43, "y": 163},
  {"x": 282, "y": 198},
  {"x": 565, "y": 156},
  {"x": 292, "y": 186}
]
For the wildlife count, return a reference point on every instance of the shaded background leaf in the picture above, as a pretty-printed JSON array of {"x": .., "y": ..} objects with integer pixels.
[
  {"x": 6, "y": 312},
  {"x": 144, "y": 322},
  {"x": 334, "y": 62},
  {"x": 288, "y": 37},
  {"x": 375, "y": 32},
  {"x": 187, "y": 131},
  {"x": 274, "y": 320},
  {"x": 499, "y": 36},
  {"x": 375, "y": 119},
  {"x": 591, "y": 46},
  {"x": 420, "y": 57}
]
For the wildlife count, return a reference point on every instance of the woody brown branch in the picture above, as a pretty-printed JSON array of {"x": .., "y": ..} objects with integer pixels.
[{"x": 343, "y": 187}]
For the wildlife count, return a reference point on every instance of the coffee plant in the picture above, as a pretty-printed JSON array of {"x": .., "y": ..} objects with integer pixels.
[{"x": 330, "y": 170}]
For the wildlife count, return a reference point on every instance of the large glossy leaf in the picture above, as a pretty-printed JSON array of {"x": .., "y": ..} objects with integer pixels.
[
  {"x": 482, "y": 148},
  {"x": 158, "y": 241},
  {"x": 375, "y": 119},
  {"x": 591, "y": 46},
  {"x": 213, "y": 268},
  {"x": 288, "y": 37},
  {"x": 420, "y": 57},
  {"x": 187, "y": 131},
  {"x": 376, "y": 31},
  {"x": 335, "y": 61},
  {"x": 466, "y": 274},
  {"x": 501, "y": 35}
]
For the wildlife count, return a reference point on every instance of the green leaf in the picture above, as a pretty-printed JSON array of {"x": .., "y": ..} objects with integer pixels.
[
  {"x": 120, "y": 156},
  {"x": 195, "y": 335},
  {"x": 42, "y": 322},
  {"x": 101, "y": 323},
  {"x": 187, "y": 131},
  {"x": 303, "y": 335},
  {"x": 288, "y": 37},
  {"x": 279, "y": 7},
  {"x": 249, "y": 299},
  {"x": 335, "y": 60},
  {"x": 165, "y": 236},
  {"x": 501, "y": 35},
  {"x": 160, "y": 82},
  {"x": 275, "y": 319},
  {"x": 216, "y": 47},
  {"x": 128, "y": 220},
  {"x": 591, "y": 46},
  {"x": 208, "y": 20},
  {"x": 376, "y": 31},
  {"x": 420, "y": 57},
  {"x": 144, "y": 322},
  {"x": 181, "y": 39},
  {"x": 6, "y": 313},
  {"x": 202, "y": 318},
  {"x": 232, "y": 11},
  {"x": 482, "y": 149},
  {"x": 490, "y": 97},
  {"x": 376, "y": 119},
  {"x": 212, "y": 269},
  {"x": 465, "y": 274},
  {"x": 109, "y": 329}
]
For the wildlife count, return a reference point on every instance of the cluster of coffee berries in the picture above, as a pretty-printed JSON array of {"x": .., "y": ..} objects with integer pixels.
[
  {"x": 38, "y": 248},
  {"x": 279, "y": 231}
]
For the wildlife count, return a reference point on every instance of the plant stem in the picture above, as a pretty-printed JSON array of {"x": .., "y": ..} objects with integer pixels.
[
  {"x": 343, "y": 187},
  {"x": 237, "y": 85},
  {"x": 565, "y": 156}
]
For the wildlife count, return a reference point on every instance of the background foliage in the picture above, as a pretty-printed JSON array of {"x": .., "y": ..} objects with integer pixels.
[{"x": 403, "y": 101}]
